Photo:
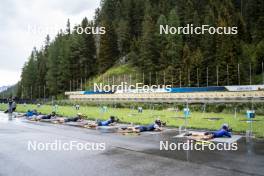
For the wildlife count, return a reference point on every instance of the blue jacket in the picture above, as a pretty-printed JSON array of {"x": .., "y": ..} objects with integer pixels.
[
  {"x": 150, "y": 127},
  {"x": 29, "y": 114},
  {"x": 105, "y": 123},
  {"x": 221, "y": 133}
]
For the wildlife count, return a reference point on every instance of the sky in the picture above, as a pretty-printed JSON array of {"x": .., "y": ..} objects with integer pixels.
[{"x": 25, "y": 24}]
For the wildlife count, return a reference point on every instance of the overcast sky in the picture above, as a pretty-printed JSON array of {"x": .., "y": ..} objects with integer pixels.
[{"x": 19, "y": 20}]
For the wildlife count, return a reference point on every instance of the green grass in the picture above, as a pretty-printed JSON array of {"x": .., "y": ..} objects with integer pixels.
[{"x": 126, "y": 115}]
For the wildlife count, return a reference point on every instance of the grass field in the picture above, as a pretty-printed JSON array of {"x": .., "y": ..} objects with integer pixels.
[{"x": 174, "y": 119}]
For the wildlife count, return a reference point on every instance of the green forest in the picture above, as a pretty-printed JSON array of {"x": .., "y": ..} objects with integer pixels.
[{"x": 132, "y": 38}]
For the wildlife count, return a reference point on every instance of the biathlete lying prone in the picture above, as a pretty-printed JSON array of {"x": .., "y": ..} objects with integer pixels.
[
  {"x": 111, "y": 121},
  {"x": 224, "y": 131},
  {"x": 156, "y": 126},
  {"x": 80, "y": 118},
  {"x": 30, "y": 114},
  {"x": 39, "y": 117}
]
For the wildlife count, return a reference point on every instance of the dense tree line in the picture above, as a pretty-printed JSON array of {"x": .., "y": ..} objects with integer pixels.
[{"x": 132, "y": 35}]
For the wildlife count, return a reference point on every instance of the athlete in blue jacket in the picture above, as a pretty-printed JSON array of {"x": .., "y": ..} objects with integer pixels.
[
  {"x": 156, "y": 126},
  {"x": 30, "y": 113},
  {"x": 225, "y": 131},
  {"x": 111, "y": 120}
]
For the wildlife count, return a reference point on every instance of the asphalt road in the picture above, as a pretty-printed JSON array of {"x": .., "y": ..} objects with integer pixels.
[{"x": 123, "y": 155}]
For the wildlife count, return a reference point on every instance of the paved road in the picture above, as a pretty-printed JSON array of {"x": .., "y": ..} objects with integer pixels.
[{"x": 124, "y": 155}]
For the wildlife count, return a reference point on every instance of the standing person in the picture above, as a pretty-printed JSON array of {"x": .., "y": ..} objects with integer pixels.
[
  {"x": 13, "y": 106},
  {"x": 140, "y": 109},
  {"x": 9, "y": 104},
  {"x": 77, "y": 107}
]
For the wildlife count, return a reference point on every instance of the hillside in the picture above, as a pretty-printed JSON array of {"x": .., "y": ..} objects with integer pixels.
[
  {"x": 132, "y": 35},
  {"x": 116, "y": 75},
  {"x": 3, "y": 88},
  {"x": 9, "y": 91}
]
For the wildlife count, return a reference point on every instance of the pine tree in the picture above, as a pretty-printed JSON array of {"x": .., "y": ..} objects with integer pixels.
[
  {"x": 41, "y": 73},
  {"x": 87, "y": 52},
  {"x": 68, "y": 27},
  {"x": 29, "y": 76},
  {"x": 195, "y": 67},
  {"x": 148, "y": 51},
  {"x": 162, "y": 43},
  {"x": 108, "y": 53},
  {"x": 123, "y": 37},
  {"x": 53, "y": 67},
  {"x": 64, "y": 76},
  {"x": 74, "y": 59},
  {"x": 186, "y": 65},
  {"x": 208, "y": 47},
  {"x": 136, "y": 17},
  {"x": 175, "y": 42}
]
